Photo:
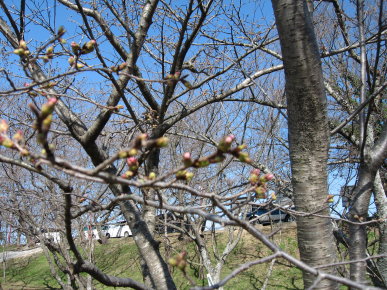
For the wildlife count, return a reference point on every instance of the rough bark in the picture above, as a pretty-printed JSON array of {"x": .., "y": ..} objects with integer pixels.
[
  {"x": 381, "y": 204},
  {"x": 308, "y": 134}
]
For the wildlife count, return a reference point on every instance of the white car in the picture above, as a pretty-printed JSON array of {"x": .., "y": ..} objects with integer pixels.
[{"x": 118, "y": 230}]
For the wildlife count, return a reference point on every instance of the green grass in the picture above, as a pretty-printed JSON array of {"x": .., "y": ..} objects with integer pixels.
[{"x": 120, "y": 257}]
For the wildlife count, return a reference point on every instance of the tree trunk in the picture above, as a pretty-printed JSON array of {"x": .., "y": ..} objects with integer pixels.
[
  {"x": 308, "y": 134},
  {"x": 381, "y": 204}
]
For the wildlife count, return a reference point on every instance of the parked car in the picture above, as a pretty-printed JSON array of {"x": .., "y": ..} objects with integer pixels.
[
  {"x": 117, "y": 230},
  {"x": 263, "y": 215}
]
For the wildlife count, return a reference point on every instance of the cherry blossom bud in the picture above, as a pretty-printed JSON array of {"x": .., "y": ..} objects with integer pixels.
[
  {"x": 152, "y": 176},
  {"x": 3, "y": 126},
  {"x": 50, "y": 50},
  {"x": 88, "y": 47},
  {"x": 132, "y": 163},
  {"x": 48, "y": 107},
  {"x": 18, "y": 136},
  {"x": 329, "y": 198},
  {"x": 23, "y": 44},
  {"x": 71, "y": 60},
  {"x": 75, "y": 47},
  {"x": 46, "y": 124},
  {"x": 267, "y": 177},
  {"x": 244, "y": 157},
  {"x": 6, "y": 142},
  {"x": 187, "y": 159},
  {"x": 80, "y": 65},
  {"x": 61, "y": 31},
  {"x": 225, "y": 144},
  {"x": 189, "y": 176},
  {"x": 128, "y": 174},
  {"x": 162, "y": 142},
  {"x": 19, "y": 51}
]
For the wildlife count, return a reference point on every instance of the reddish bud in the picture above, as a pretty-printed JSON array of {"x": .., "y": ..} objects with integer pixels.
[
  {"x": 187, "y": 159},
  {"x": 128, "y": 174},
  {"x": 267, "y": 177},
  {"x": 75, "y": 47}
]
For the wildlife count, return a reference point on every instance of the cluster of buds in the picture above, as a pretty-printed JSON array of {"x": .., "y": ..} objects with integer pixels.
[
  {"x": 17, "y": 142},
  {"x": 22, "y": 50},
  {"x": 184, "y": 175},
  {"x": 139, "y": 143},
  {"x": 179, "y": 261},
  {"x": 133, "y": 165},
  {"x": 44, "y": 119},
  {"x": 88, "y": 47},
  {"x": 49, "y": 54},
  {"x": 77, "y": 50},
  {"x": 329, "y": 198},
  {"x": 260, "y": 183},
  {"x": 119, "y": 68}
]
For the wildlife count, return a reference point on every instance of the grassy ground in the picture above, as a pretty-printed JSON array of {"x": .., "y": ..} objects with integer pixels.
[{"x": 120, "y": 257}]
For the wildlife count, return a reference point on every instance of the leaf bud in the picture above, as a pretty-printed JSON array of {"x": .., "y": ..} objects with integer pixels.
[{"x": 19, "y": 51}]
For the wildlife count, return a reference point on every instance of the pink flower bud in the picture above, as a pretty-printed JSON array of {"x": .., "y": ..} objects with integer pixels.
[{"x": 268, "y": 177}]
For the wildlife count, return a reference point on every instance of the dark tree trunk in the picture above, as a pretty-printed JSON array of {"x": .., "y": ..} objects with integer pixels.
[{"x": 308, "y": 134}]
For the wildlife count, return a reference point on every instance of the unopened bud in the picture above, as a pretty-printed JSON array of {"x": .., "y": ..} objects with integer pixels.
[
  {"x": 50, "y": 50},
  {"x": 75, "y": 47},
  {"x": 3, "y": 126},
  {"x": 23, "y": 44},
  {"x": 128, "y": 174},
  {"x": 187, "y": 159},
  {"x": 88, "y": 46},
  {"x": 19, "y": 51},
  {"x": 267, "y": 177},
  {"x": 244, "y": 157},
  {"x": 152, "y": 176},
  {"x": 18, "y": 136},
  {"x": 132, "y": 163},
  {"x": 6, "y": 142},
  {"x": 71, "y": 60},
  {"x": 202, "y": 162},
  {"x": 162, "y": 142},
  {"x": 61, "y": 31}
]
